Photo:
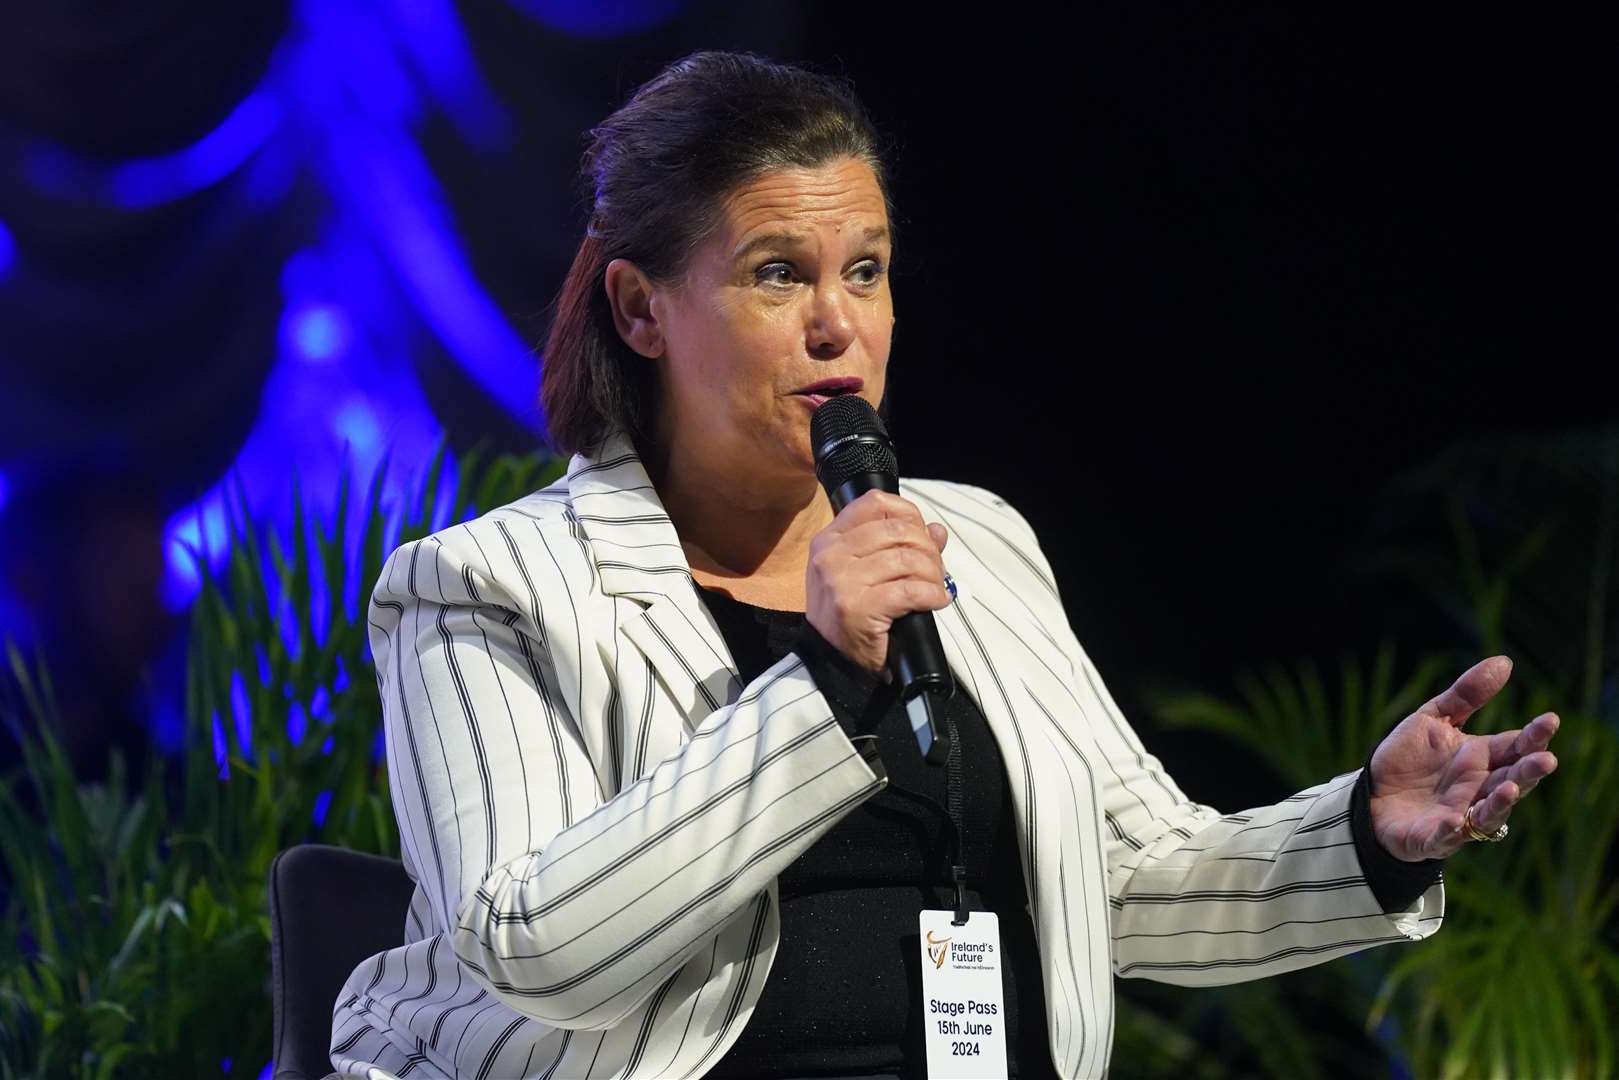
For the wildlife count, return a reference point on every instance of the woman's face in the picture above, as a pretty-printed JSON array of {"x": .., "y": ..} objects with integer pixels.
[{"x": 789, "y": 296}]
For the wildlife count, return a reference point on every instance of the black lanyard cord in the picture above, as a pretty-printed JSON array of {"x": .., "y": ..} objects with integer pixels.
[
  {"x": 952, "y": 803},
  {"x": 951, "y": 815}
]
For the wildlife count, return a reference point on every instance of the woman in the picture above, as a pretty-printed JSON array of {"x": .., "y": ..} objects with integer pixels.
[{"x": 628, "y": 716}]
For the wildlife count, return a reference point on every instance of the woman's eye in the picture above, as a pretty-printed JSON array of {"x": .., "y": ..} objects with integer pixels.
[
  {"x": 870, "y": 273},
  {"x": 780, "y": 274},
  {"x": 776, "y": 273}
]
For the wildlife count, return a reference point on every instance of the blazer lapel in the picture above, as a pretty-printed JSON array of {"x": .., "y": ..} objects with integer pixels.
[
  {"x": 968, "y": 665},
  {"x": 638, "y": 555},
  {"x": 688, "y": 654},
  {"x": 995, "y": 646}
]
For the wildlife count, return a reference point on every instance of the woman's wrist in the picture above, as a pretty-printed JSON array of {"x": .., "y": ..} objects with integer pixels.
[{"x": 1396, "y": 884}]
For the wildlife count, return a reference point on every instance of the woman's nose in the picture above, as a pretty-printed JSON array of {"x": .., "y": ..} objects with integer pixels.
[{"x": 831, "y": 323}]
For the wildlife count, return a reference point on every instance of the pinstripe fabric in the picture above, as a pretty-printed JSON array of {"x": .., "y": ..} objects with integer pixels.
[{"x": 594, "y": 809}]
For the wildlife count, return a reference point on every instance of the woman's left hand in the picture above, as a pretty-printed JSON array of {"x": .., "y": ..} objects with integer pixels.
[{"x": 1428, "y": 771}]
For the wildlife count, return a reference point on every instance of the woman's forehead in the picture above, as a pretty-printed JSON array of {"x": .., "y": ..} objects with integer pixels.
[{"x": 839, "y": 200}]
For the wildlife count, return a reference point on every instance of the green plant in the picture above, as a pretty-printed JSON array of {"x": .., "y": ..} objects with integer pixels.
[
  {"x": 1289, "y": 720},
  {"x": 133, "y": 934},
  {"x": 1523, "y": 980}
]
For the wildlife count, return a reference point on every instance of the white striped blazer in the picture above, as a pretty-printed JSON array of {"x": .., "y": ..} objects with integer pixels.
[{"x": 594, "y": 809}]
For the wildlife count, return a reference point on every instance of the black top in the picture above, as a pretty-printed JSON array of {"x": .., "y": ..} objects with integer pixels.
[{"x": 843, "y": 995}]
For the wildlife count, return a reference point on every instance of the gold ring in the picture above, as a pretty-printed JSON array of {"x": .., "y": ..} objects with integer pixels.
[{"x": 1473, "y": 833}]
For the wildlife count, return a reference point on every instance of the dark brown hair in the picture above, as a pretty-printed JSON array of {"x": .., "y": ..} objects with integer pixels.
[{"x": 657, "y": 171}]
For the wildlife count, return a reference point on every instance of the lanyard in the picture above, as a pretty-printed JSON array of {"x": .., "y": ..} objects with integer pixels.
[
  {"x": 951, "y": 812},
  {"x": 952, "y": 805}
]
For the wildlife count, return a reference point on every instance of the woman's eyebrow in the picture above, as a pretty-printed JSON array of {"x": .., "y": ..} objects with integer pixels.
[{"x": 873, "y": 234}]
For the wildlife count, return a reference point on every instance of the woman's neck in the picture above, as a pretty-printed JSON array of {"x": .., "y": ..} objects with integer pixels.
[{"x": 746, "y": 537}]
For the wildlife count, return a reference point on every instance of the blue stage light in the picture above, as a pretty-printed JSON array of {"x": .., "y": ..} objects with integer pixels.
[
  {"x": 601, "y": 18},
  {"x": 355, "y": 424},
  {"x": 297, "y": 723},
  {"x": 221, "y": 751},
  {"x": 168, "y": 727},
  {"x": 316, "y": 422},
  {"x": 198, "y": 532},
  {"x": 51, "y": 168},
  {"x": 8, "y": 251},
  {"x": 318, "y": 332},
  {"x": 320, "y": 623},
  {"x": 342, "y": 100},
  {"x": 216, "y": 155},
  {"x": 16, "y": 622},
  {"x": 286, "y": 624},
  {"x": 323, "y": 803},
  {"x": 242, "y": 716},
  {"x": 388, "y": 183},
  {"x": 431, "y": 31}
]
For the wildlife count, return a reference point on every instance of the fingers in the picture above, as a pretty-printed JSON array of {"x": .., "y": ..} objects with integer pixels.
[
  {"x": 869, "y": 537},
  {"x": 886, "y": 506},
  {"x": 1531, "y": 770},
  {"x": 1508, "y": 746},
  {"x": 881, "y": 537},
  {"x": 876, "y": 552},
  {"x": 1491, "y": 812},
  {"x": 895, "y": 598},
  {"x": 1526, "y": 772},
  {"x": 1477, "y": 685},
  {"x": 876, "y": 505},
  {"x": 894, "y": 563},
  {"x": 877, "y": 561},
  {"x": 1518, "y": 762}
]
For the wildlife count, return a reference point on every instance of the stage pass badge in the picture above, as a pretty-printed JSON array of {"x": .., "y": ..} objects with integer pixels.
[{"x": 962, "y": 1012}]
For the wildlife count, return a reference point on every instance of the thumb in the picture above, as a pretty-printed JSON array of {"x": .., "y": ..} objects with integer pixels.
[
  {"x": 1477, "y": 685},
  {"x": 940, "y": 536}
]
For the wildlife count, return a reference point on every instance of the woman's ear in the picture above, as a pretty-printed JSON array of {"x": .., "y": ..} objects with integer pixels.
[{"x": 629, "y": 293}]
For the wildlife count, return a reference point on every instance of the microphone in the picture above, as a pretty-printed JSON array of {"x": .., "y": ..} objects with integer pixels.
[{"x": 853, "y": 455}]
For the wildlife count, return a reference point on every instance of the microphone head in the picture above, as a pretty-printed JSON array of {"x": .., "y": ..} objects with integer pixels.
[{"x": 849, "y": 439}]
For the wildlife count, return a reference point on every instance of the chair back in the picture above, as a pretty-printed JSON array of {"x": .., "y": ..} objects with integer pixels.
[{"x": 330, "y": 909}]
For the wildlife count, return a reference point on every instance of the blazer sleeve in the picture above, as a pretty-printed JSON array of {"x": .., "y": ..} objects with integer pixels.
[
  {"x": 1203, "y": 898},
  {"x": 567, "y": 905},
  {"x": 1198, "y": 897}
]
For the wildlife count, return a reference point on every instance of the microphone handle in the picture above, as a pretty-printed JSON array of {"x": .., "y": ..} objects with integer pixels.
[
  {"x": 916, "y": 660},
  {"x": 917, "y": 665}
]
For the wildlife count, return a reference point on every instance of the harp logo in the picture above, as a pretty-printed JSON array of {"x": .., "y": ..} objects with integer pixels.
[{"x": 938, "y": 949}]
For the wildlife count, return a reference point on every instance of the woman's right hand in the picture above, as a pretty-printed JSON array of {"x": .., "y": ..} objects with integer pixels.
[{"x": 878, "y": 560}]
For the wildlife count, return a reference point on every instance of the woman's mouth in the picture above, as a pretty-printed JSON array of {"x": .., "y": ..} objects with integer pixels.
[{"x": 818, "y": 393}]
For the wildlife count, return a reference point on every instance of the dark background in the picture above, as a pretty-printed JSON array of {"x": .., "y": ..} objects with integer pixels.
[
  {"x": 1192, "y": 288},
  {"x": 1203, "y": 284}
]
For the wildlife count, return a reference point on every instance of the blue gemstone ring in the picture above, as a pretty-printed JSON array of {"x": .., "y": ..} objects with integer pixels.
[{"x": 950, "y": 586}]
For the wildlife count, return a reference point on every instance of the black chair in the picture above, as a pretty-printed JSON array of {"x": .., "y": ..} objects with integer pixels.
[{"x": 330, "y": 908}]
